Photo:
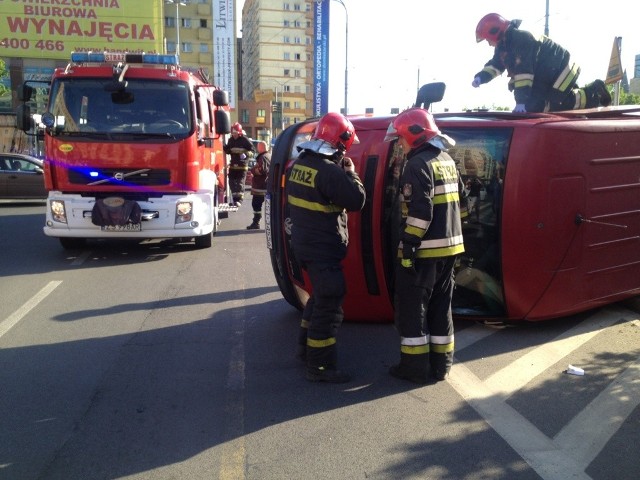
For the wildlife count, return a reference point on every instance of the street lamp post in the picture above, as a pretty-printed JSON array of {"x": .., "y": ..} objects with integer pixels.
[{"x": 178, "y": 4}]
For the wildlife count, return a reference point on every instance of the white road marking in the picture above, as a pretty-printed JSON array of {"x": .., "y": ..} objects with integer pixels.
[
  {"x": 582, "y": 439},
  {"x": 11, "y": 321},
  {"x": 589, "y": 431},
  {"x": 513, "y": 377}
]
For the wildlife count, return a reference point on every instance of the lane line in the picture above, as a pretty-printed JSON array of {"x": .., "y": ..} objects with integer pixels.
[
  {"x": 80, "y": 259},
  {"x": 233, "y": 456},
  {"x": 517, "y": 374},
  {"x": 11, "y": 321},
  {"x": 588, "y": 432}
]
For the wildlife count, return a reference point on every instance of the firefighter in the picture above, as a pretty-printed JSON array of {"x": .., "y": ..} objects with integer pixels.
[
  {"x": 541, "y": 74},
  {"x": 430, "y": 240},
  {"x": 322, "y": 186},
  {"x": 259, "y": 183},
  {"x": 241, "y": 150}
]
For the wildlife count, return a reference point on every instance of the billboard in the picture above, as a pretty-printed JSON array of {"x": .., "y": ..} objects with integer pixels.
[
  {"x": 54, "y": 29},
  {"x": 224, "y": 47},
  {"x": 321, "y": 58}
]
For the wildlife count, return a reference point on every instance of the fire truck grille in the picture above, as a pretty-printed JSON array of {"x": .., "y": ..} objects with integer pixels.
[{"x": 120, "y": 176}]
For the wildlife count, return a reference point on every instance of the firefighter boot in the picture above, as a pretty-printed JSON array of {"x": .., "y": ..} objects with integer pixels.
[
  {"x": 321, "y": 364},
  {"x": 440, "y": 364},
  {"x": 413, "y": 368},
  {"x": 255, "y": 224},
  {"x": 596, "y": 94}
]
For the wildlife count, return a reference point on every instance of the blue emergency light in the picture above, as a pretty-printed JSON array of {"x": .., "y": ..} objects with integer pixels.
[{"x": 146, "y": 58}]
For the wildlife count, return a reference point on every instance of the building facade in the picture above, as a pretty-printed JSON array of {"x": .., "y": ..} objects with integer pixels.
[{"x": 277, "y": 66}]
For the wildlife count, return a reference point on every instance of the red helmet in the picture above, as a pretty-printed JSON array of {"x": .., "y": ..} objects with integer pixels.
[
  {"x": 236, "y": 127},
  {"x": 491, "y": 28},
  {"x": 415, "y": 125},
  {"x": 337, "y": 130}
]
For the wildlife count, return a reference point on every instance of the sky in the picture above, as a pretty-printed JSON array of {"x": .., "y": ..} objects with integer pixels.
[{"x": 395, "y": 46}]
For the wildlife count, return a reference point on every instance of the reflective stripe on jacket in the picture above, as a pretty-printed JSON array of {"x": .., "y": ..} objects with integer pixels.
[
  {"x": 319, "y": 193},
  {"x": 430, "y": 197}
]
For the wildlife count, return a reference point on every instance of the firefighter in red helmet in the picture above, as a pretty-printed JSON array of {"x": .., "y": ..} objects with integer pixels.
[
  {"x": 430, "y": 240},
  {"x": 241, "y": 150},
  {"x": 322, "y": 186},
  {"x": 541, "y": 74}
]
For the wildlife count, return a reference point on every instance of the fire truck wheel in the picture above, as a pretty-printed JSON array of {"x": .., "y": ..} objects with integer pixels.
[
  {"x": 203, "y": 241},
  {"x": 71, "y": 243}
]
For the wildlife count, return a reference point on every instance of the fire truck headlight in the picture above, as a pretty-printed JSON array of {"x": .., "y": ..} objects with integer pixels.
[
  {"x": 58, "y": 212},
  {"x": 184, "y": 212}
]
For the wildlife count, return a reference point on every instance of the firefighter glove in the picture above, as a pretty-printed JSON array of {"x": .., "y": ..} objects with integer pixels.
[
  {"x": 476, "y": 82},
  {"x": 520, "y": 108},
  {"x": 406, "y": 263}
]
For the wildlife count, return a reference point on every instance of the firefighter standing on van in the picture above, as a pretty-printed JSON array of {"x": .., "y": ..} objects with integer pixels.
[
  {"x": 430, "y": 239},
  {"x": 321, "y": 187},
  {"x": 241, "y": 149},
  {"x": 541, "y": 74},
  {"x": 259, "y": 183}
]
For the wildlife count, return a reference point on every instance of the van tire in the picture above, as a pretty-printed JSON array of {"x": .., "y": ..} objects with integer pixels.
[{"x": 204, "y": 241}]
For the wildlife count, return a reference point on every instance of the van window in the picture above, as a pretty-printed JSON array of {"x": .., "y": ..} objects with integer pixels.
[{"x": 481, "y": 156}]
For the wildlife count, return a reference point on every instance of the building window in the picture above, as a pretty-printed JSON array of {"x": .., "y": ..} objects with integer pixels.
[
  {"x": 170, "y": 22},
  {"x": 203, "y": 23},
  {"x": 296, "y": 7},
  {"x": 287, "y": 56},
  {"x": 297, "y": 56},
  {"x": 296, "y": 73},
  {"x": 286, "y": 6},
  {"x": 286, "y": 39},
  {"x": 204, "y": 47},
  {"x": 286, "y": 23},
  {"x": 297, "y": 40},
  {"x": 296, "y": 105},
  {"x": 186, "y": 47},
  {"x": 171, "y": 46},
  {"x": 287, "y": 72},
  {"x": 185, "y": 22},
  {"x": 244, "y": 115}
]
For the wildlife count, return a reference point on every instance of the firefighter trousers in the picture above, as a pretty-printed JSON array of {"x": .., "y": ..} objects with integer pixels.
[
  {"x": 423, "y": 314},
  {"x": 324, "y": 312}
]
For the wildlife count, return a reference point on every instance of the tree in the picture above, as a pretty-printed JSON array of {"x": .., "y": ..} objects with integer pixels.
[{"x": 629, "y": 99}]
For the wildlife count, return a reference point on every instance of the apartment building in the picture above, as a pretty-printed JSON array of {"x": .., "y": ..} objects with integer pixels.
[{"x": 276, "y": 52}]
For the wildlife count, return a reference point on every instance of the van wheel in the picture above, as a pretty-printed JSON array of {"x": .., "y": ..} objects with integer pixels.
[
  {"x": 203, "y": 241},
  {"x": 72, "y": 243}
]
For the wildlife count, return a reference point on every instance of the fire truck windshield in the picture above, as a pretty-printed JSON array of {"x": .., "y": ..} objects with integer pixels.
[{"x": 89, "y": 105}]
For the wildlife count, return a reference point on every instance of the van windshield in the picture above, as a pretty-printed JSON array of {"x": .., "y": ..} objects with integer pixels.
[
  {"x": 481, "y": 156},
  {"x": 144, "y": 107}
]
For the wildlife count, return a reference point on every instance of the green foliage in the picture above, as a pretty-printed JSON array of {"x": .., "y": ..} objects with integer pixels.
[
  {"x": 3, "y": 73},
  {"x": 629, "y": 99}
]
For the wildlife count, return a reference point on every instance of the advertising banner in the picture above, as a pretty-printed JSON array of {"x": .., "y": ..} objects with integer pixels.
[
  {"x": 224, "y": 48},
  {"x": 321, "y": 58},
  {"x": 54, "y": 29}
]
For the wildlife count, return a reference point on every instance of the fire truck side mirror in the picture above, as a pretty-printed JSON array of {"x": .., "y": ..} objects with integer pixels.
[
  {"x": 223, "y": 122},
  {"x": 25, "y": 92},
  {"x": 24, "y": 120}
]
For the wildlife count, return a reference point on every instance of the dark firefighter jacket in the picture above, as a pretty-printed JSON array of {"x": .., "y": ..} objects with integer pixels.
[
  {"x": 528, "y": 60},
  {"x": 430, "y": 199},
  {"x": 241, "y": 142},
  {"x": 260, "y": 171},
  {"x": 319, "y": 194}
]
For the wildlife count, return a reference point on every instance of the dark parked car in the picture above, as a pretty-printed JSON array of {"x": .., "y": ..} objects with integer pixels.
[{"x": 21, "y": 176}]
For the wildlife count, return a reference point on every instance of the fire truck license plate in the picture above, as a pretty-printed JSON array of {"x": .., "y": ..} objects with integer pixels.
[{"x": 129, "y": 227}]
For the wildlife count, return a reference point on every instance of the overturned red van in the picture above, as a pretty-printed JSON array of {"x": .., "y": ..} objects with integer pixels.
[{"x": 553, "y": 225}]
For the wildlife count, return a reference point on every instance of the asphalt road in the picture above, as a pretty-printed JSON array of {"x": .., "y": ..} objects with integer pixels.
[{"x": 156, "y": 360}]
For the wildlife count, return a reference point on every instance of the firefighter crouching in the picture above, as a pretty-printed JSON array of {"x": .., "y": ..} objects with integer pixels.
[
  {"x": 241, "y": 149},
  {"x": 321, "y": 187},
  {"x": 430, "y": 240}
]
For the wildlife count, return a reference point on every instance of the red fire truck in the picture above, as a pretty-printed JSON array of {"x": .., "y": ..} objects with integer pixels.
[
  {"x": 554, "y": 228},
  {"x": 133, "y": 149}
]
